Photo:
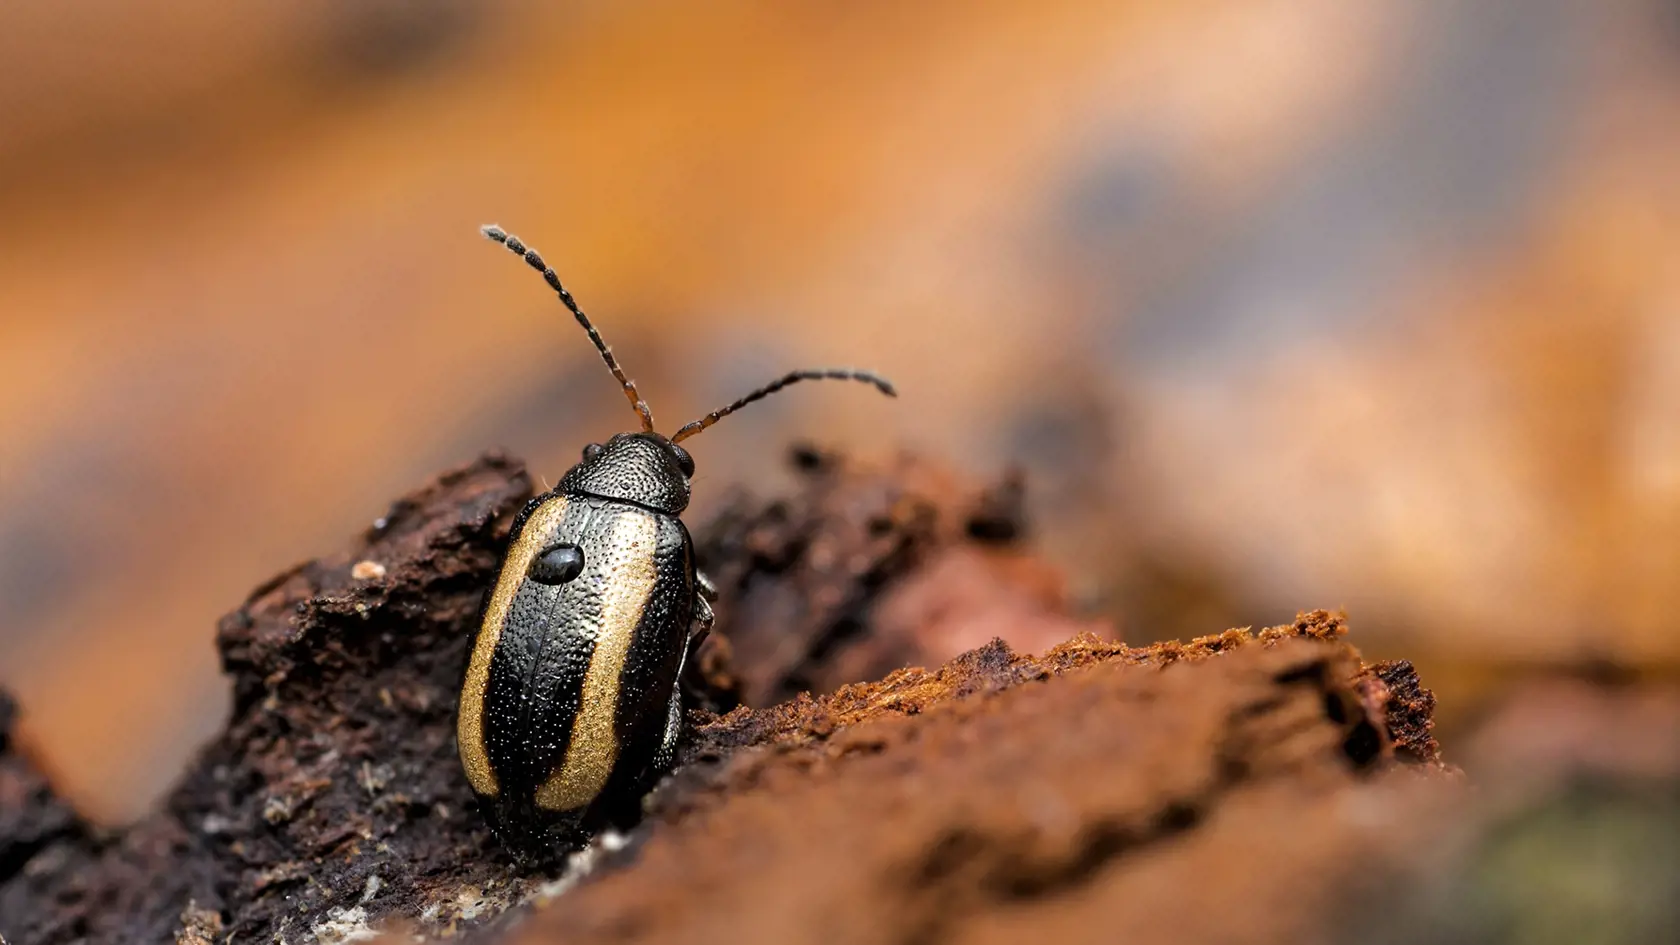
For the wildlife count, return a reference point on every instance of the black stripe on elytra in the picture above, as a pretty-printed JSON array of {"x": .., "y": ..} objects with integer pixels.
[
  {"x": 650, "y": 666},
  {"x": 536, "y": 675},
  {"x": 517, "y": 529}
]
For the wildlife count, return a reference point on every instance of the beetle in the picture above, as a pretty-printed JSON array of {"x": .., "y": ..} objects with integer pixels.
[{"x": 570, "y": 706}]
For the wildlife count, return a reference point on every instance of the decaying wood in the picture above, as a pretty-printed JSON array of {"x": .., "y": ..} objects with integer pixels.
[{"x": 1092, "y": 792}]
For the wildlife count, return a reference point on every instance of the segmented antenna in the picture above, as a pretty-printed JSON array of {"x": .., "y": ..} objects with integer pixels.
[
  {"x": 535, "y": 261},
  {"x": 833, "y": 374}
]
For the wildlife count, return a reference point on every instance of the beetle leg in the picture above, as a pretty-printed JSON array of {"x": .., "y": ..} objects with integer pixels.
[
  {"x": 702, "y": 625},
  {"x": 708, "y": 590}
]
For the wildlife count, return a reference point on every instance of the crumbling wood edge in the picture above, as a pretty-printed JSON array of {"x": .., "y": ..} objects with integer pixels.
[{"x": 333, "y": 800}]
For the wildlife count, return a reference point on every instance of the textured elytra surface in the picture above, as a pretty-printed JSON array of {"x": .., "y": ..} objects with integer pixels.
[
  {"x": 571, "y": 683},
  {"x": 930, "y": 805}
]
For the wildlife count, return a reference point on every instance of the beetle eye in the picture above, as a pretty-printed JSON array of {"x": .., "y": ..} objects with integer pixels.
[
  {"x": 557, "y": 564},
  {"x": 685, "y": 462},
  {"x": 592, "y": 451}
]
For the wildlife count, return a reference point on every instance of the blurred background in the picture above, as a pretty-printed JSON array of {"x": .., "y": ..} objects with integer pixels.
[{"x": 1280, "y": 304}]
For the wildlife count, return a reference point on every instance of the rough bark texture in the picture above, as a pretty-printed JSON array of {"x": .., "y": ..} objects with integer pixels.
[
  {"x": 31, "y": 818},
  {"x": 866, "y": 570},
  {"x": 335, "y": 780},
  {"x": 1240, "y": 787}
]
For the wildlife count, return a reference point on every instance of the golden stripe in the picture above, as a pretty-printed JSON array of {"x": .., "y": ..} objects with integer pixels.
[
  {"x": 629, "y": 578},
  {"x": 469, "y": 724}
]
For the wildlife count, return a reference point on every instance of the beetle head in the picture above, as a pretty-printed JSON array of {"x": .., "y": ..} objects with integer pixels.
[{"x": 644, "y": 468}]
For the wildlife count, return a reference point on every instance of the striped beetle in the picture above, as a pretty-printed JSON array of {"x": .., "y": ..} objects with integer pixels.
[{"x": 570, "y": 704}]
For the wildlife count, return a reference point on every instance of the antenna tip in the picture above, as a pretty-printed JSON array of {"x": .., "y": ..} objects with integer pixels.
[
  {"x": 877, "y": 381},
  {"x": 494, "y": 232}
]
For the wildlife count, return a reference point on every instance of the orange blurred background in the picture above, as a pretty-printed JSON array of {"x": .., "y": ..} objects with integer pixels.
[{"x": 1281, "y": 304}]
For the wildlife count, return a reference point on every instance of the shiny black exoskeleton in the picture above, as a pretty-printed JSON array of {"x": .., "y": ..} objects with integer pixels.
[{"x": 570, "y": 706}]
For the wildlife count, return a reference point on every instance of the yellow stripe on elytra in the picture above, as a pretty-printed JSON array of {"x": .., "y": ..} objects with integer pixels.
[
  {"x": 469, "y": 725},
  {"x": 628, "y": 582}
]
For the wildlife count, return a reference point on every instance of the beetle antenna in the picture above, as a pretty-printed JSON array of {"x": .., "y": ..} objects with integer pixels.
[
  {"x": 834, "y": 374},
  {"x": 535, "y": 261}
]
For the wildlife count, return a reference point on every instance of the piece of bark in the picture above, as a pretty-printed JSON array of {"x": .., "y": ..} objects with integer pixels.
[
  {"x": 333, "y": 802},
  {"x": 333, "y": 797},
  {"x": 1005, "y": 796},
  {"x": 32, "y": 819},
  {"x": 865, "y": 568}
]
